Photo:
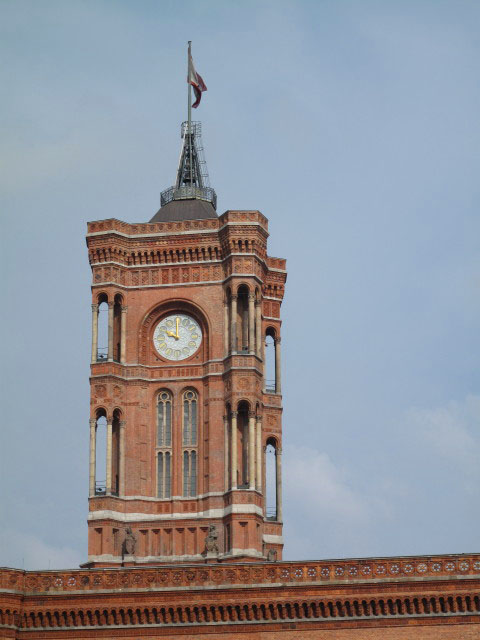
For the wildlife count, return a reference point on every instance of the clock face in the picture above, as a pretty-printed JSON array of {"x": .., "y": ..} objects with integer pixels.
[{"x": 177, "y": 336}]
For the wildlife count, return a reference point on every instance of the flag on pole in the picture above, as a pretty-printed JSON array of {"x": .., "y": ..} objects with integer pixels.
[{"x": 196, "y": 80}]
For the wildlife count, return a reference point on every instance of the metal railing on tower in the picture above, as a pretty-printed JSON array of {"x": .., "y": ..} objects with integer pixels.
[{"x": 192, "y": 174}]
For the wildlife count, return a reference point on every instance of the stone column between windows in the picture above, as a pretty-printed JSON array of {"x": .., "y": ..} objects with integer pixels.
[
  {"x": 251, "y": 450},
  {"x": 258, "y": 467},
  {"x": 259, "y": 329},
  {"x": 234, "y": 449},
  {"x": 110, "y": 331},
  {"x": 93, "y": 457},
  {"x": 94, "y": 332},
  {"x": 226, "y": 328},
  {"x": 122, "y": 458},
  {"x": 278, "y": 473},
  {"x": 123, "y": 336},
  {"x": 108, "y": 487},
  {"x": 233, "y": 323},
  {"x": 278, "y": 367},
  {"x": 251, "y": 323},
  {"x": 227, "y": 447}
]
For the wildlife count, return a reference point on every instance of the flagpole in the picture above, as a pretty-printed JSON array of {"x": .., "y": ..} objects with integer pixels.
[{"x": 189, "y": 126}]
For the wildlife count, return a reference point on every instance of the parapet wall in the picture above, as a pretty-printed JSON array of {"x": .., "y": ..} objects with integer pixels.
[{"x": 242, "y": 600}]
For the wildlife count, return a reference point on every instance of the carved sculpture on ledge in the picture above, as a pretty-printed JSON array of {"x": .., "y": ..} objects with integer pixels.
[
  {"x": 211, "y": 546},
  {"x": 271, "y": 555},
  {"x": 129, "y": 543}
]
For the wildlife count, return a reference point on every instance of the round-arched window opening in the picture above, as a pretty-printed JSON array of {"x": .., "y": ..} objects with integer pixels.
[{"x": 271, "y": 479}]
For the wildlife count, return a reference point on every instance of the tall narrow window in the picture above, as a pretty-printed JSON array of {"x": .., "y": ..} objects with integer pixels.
[
  {"x": 185, "y": 473},
  {"x": 189, "y": 419},
  {"x": 189, "y": 439},
  {"x": 164, "y": 444},
  {"x": 270, "y": 381},
  {"x": 242, "y": 444},
  {"x": 164, "y": 420},
  {"x": 164, "y": 474},
  {"x": 101, "y": 454},
  {"x": 242, "y": 319},
  {"x": 117, "y": 327},
  {"x": 189, "y": 474},
  {"x": 116, "y": 453},
  {"x": 102, "y": 339},
  {"x": 271, "y": 479}
]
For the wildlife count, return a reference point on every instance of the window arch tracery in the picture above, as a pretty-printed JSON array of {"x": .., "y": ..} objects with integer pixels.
[
  {"x": 189, "y": 420},
  {"x": 164, "y": 443},
  {"x": 164, "y": 419},
  {"x": 189, "y": 442}
]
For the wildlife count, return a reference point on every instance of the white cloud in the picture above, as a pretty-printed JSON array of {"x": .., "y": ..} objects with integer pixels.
[
  {"x": 26, "y": 551},
  {"x": 453, "y": 432},
  {"x": 334, "y": 511},
  {"x": 315, "y": 481},
  {"x": 325, "y": 510}
]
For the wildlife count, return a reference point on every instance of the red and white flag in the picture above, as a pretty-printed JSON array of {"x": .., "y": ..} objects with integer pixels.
[{"x": 196, "y": 80}]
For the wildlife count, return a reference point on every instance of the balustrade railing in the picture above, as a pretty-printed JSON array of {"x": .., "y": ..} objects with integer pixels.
[{"x": 411, "y": 568}]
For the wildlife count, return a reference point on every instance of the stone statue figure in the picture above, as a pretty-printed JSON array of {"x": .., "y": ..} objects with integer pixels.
[
  {"x": 211, "y": 546},
  {"x": 271, "y": 555},
  {"x": 129, "y": 543}
]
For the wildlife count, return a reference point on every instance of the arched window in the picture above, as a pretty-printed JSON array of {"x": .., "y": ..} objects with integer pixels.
[
  {"x": 164, "y": 474},
  {"x": 189, "y": 474},
  {"x": 189, "y": 439},
  {"x": 270, "y": 378},
  {"x": 102, "y": 339},
  {"x": 242, "y": 319},
  {"x": 101, "y": 453},
  {"x": 116, "y": 452},
  {"x": 117, "y": 327},
  {"x": 164, "y": 443},
  {"x": 242, "y": 444},
  {"x": 189, "y": 419},
  {"x": 271, "y": 479},
  {"x": 164, "y": 419}
]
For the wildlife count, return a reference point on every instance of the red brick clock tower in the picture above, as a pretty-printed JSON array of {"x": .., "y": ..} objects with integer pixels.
[{"x": 179, "y": 392}]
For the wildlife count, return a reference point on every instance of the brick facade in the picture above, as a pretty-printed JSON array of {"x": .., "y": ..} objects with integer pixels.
[{"x": 201, "y": 268}]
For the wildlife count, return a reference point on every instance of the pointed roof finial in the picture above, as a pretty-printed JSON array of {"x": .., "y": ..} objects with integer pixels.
[{"x": 192, "y": 182}]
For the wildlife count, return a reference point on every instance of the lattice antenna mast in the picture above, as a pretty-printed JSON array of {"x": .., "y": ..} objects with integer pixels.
[
  {"x": 192, "y": 167},
  {"x": 192, "y": 174}
]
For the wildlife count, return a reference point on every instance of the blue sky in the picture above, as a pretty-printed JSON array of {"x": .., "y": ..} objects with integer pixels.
[{"x": 353, "y": 126}]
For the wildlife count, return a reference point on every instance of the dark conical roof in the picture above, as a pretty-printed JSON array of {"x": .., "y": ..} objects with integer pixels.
[{"x": 185, "y": 210}]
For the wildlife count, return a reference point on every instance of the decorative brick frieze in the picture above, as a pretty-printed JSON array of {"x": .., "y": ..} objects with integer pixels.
[
  {"x": 379, "y": 571},
  {"x": 112, "y": 225},
  {"x": 171, "y": 243},
  {"x": 418, "y": 592}
]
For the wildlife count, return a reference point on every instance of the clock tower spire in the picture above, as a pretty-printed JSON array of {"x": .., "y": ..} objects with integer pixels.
[
  {"x": 191, "y": 197},
  {"x": 183, "y": 416}
]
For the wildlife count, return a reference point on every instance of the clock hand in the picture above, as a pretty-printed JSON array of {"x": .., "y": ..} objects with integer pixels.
[
  {"x": 171, "y": 334},
  {"x": 177, "y": 336}
]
